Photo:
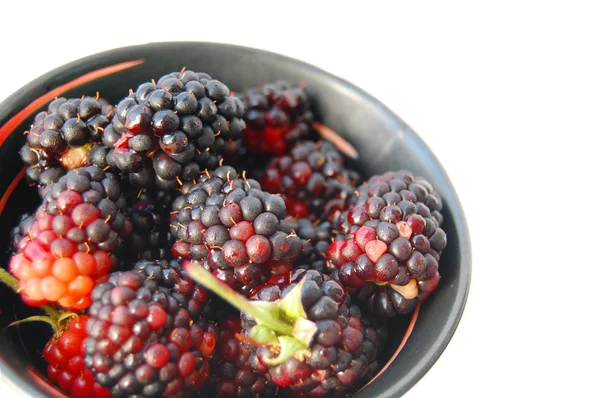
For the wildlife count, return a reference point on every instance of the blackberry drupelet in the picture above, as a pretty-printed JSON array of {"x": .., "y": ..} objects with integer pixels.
[
  {"x": 141, "y": 342},
  {"x": 70, "y": 246},
  {"x": 167, "y": 132},
  {"x": 149, "y": 212},
  {"x": 277, "y": 115},
  {"x": 64, "y": 354},
  {"x": 61, "y": 137},
  {"x": 233, "y": 228},
  {"x": 392, "y": 243},
  {"x": 188, "y": 294}
]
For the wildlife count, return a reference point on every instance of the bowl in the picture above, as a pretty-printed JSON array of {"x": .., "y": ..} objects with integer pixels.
[{"x": 383, "y": 140}]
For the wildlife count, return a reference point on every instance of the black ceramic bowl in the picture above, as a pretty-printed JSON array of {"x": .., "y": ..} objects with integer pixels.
[{"x": 383, "y": 140}]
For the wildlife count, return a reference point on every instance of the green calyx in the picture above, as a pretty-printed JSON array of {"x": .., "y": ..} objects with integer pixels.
[{"x": 282, "y": 325}]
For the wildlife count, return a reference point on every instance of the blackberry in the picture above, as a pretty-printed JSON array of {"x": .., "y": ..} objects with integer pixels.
[
  {"x": 61, "y": 137},
  {"x": 312, "y": 179},
  {"x": 149, "y": 212},
  {"x": 302, "y": 332},
  {"x": 277, "y": 115},
  {"x": 167, "y": 132},
  {"x": 317, "y": 238},
  {"x": 392, "y": 243},
  {"x": 142, "y": 342},
  {"x": 186, "y": 292},
  {"x": 234, "y": 228},
  {"x": 70, "y": 246},
  {"x": 17, "y": 243},
  {"x": 64, "y": 353},
  {"x": 233, "y": 372}
]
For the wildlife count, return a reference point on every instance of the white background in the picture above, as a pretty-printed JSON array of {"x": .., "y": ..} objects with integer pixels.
[{"x": 506, "y": 93}]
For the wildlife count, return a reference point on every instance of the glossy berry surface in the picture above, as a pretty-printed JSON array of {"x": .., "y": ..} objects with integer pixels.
[
  {"x": 60, "y": 137},
  {"x": 312, "y": 179},
  {"x": 142, "y": 342},
  {"x": 64, "y": 354},
  {"x": 167, "y": 132},
  {"x": 392, "y": 243},
  {"x": 233, "y": 228},
  {"x": 277, "y": 116},
  {"x": 70, "y": 246}
]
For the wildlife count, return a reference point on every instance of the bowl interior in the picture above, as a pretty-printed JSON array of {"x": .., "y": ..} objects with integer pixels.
[{"x": 383, "y": 141}]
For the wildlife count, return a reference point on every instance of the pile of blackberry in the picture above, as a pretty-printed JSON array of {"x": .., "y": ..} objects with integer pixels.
[{"x": 191, "y": 240}]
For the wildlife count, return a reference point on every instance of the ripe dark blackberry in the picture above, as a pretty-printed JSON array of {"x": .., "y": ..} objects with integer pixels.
[
  {"x": 317, "y": 237},
  {"x": 189, "y": 295},
  {"x": 277, "y": 115},
  {"x": 149, "y": 212},
  {"x": 301, "y": 331},
  {"x": 233, "y": 228},
  {"x": 64, "y": 354},
  {"x": 70, "y": 246},
  {"x": 61, "y": 137},
  {"x": 234, "y": 376},
  {"x": 312, "y": 179},
  {"x": 141, "y": 342},
  {"x": 392, "y": 243},
  {"x": 167, "y": 132}
]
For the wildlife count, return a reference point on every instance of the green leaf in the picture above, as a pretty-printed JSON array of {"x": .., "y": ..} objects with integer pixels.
[
  {"x": 288, "y": 346},
  {"x": 291, "y": 304},
  {"x": 263, "y": 335}
]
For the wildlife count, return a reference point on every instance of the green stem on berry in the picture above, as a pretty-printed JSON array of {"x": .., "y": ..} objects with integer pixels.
[
  {"x": 13, "y": 283},
  {"x": 36, "y": 318},
  {"x": 262, "y": 312}
]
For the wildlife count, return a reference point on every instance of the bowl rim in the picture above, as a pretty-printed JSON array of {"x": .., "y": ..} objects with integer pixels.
[{"x": 58, "y": 76}]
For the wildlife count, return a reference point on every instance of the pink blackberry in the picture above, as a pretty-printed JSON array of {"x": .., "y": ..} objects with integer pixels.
[
  {"x": 70, "y": 245},
  {"x": 142, "y": 342},
  {"x": 61, "y": 137},
  {"x": 302, "y": 332},
  {"x": 312, "y": 179},
  {"x": 167, "y": 132},
  {"x": 392, "y": 242},
  {"x": 277, "y": 116},
  {"x": 233, "y": 228}
]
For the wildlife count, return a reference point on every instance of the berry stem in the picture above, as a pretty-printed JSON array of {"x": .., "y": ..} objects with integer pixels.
[
  {"x": 36, "y": 318},
  {"x": 259, "y": 312},
  {"x": 13, "y": 283}
]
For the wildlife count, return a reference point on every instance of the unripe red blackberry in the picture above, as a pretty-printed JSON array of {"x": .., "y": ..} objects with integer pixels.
[
  {"x": 142, "y": 342},
  {"x": 70, "y": 246},
  {"x": 232, "y": 227},
  {"x": 61, "y": 137},
  {"x": 312, "y": 179},
  {"x": 277, "y": 116},
  {"x": 167, "y": 132},
  {"x": 392, "y": 242},
  {"x": 64, "y": 353}
]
